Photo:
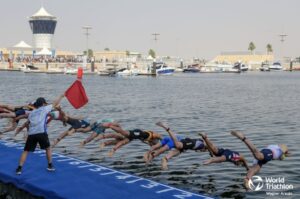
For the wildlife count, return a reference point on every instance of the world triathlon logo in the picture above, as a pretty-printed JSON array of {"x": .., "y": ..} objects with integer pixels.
[{"x": 256, "y": 183}]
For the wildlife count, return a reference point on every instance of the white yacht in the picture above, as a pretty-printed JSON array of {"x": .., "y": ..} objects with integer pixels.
[
  {"x": 228, "y": 68},
  {"x": 276, "y": 66}
]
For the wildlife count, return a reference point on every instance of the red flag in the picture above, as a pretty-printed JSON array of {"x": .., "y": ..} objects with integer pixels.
[{"x": 76, "y": 95}]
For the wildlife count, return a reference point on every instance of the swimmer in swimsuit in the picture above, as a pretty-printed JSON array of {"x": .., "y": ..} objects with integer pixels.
[
  {"x": 181, "y": 146},
  {"x": 271, "y": 152},
  {"x": 77, "y": 125},
  {"x": 15, "y": 113},
  {"x": 148, "y": 137},
  {"x": 223, "y": 155},
  {"x": 97, "y": 128}
]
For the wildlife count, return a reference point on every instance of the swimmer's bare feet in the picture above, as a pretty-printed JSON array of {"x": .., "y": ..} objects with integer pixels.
[
  {"x": 239, "y": 135},
  {"x": 111, "y": 153},
  {"x": 82, "y": 144},
  {"x": 203, "y": 135},
  {"x": 102, "y": 145},
  {"x": 207, "y": 162},
  {"x": 164, "y": 163}
]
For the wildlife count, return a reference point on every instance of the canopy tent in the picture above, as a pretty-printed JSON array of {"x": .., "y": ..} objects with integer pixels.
[
  {"x": 150, "y": 57},
  {"x": 20, "y": 49},
  {"x": 22, "y": 45},
  {"x": 44, "y": 51}
]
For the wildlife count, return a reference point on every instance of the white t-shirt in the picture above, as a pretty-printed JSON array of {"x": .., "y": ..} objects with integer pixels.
[{"x": 38, "y": 120}]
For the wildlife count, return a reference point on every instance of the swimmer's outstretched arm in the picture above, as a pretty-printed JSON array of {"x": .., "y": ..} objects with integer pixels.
[
  {"x": 152, "y": 149},
  {"x": 57, "y": 101},
  {"x": 25, "y": 125},
  {"x": 251, "y": 172},
  {"x": 84, "y": 130},
  {"x": 62, "y": 136},
  {"x": 8, "y": 107},
  {"x": 244, "y": 161},
  {"x": 8, "y": 115},
  {"x": 178, "y": 144},
  {"x": 157, "y": 152},
  {"x": 12, "y": 127},
  {"x": 118, "y": 145},
  {"x": 89, "y": 139},
  {"x": 117, "y": 129},
  {"x": 164, "y": 160},
  {"x": 21, "y": 117},
  {"x": 215, "y": 160}
]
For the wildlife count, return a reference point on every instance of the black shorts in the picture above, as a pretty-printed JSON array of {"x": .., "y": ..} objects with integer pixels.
[
  {"x": 268, "y": 156},
  {"x": 138, "y": 134},
  {"x": 32, "y": 140}
]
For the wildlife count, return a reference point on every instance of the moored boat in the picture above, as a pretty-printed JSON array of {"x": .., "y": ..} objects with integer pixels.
[{"x": 162, "y": 69}]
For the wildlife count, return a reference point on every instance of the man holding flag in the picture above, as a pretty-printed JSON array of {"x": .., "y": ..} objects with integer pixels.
[
  {"x": 37, "y": 132},
  {"x": 37, "y": 121}
]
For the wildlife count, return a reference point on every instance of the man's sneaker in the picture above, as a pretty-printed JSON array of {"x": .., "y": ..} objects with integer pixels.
[
  {"x": 19, "y": 170},
  {"x": 50, "y": 167}
]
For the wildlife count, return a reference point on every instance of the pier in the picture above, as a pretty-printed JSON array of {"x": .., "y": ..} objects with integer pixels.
[{"x": 75, "y": 178}]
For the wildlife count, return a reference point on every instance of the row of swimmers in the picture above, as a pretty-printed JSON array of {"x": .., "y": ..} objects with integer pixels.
[{"x": 159, "y": 144}]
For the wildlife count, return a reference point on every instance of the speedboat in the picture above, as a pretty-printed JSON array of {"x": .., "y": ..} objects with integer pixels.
[
  {"x": 27, "y": 68},
  {"x": 126, "y": 72},
  {"x": 240, "y": 66},
  {"x": 228, "y": 68},
  {"x": 264, "y": 67},
  {"x": 192, "y": 69},
  {"x": 276, "y": 66},
  {"x": 162, "y": 69}
]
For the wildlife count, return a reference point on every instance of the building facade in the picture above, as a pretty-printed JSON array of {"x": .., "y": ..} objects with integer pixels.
[{"x": 43, "y": 26}]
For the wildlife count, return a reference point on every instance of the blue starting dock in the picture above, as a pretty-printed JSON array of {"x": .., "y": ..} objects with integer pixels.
[{"x": 77, "y": 179}]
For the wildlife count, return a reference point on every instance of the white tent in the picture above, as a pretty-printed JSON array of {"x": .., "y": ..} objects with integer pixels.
[
  {"x": 149, "y": 57},
  {"x": 22, "y": 45},
  {"x": 44, "y": 51}
]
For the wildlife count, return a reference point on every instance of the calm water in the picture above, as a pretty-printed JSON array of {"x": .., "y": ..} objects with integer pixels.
[{"x": 265, "y": 106}]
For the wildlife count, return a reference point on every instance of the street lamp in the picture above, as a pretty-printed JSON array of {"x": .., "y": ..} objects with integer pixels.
[
  {"x": 282, "y": 39},
  {"x": 87, "y": 28}
]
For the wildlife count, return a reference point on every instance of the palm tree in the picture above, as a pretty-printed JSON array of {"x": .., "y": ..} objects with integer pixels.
[
  {"x": 251, "y": 47},
  {"x": 151, "y": 52},
  {"x": 269, "y": 48},
  {"x": 89, "y": 54}
]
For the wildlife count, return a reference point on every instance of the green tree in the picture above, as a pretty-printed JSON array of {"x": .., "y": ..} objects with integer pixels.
[
  {"x": 106, "y": 49},
  {"x": 127, "y": 53},
  {"x": 151, "y": 52},
  {"x": 251, "y": 47},
  {"x": 90, "y": 53},
  {"x": 269, "y": 48}
]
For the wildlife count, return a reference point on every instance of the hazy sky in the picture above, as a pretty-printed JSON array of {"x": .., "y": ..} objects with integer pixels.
[{"x": 188, "y": 28}]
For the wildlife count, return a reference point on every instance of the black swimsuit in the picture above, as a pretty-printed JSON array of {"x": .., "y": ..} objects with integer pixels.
[
  {"x": 231, "y": 156},
  {"x": 76, "y": 124},
  {"x": 138, "y": 134},
  {"x": 192, "y": 144}
]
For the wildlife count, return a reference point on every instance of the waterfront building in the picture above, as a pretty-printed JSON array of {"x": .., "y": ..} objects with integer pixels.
[
  {"x": 115, "y": 55},
  {"x": 43, "y": 26},
  {"x": 254, "y": 60}
]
